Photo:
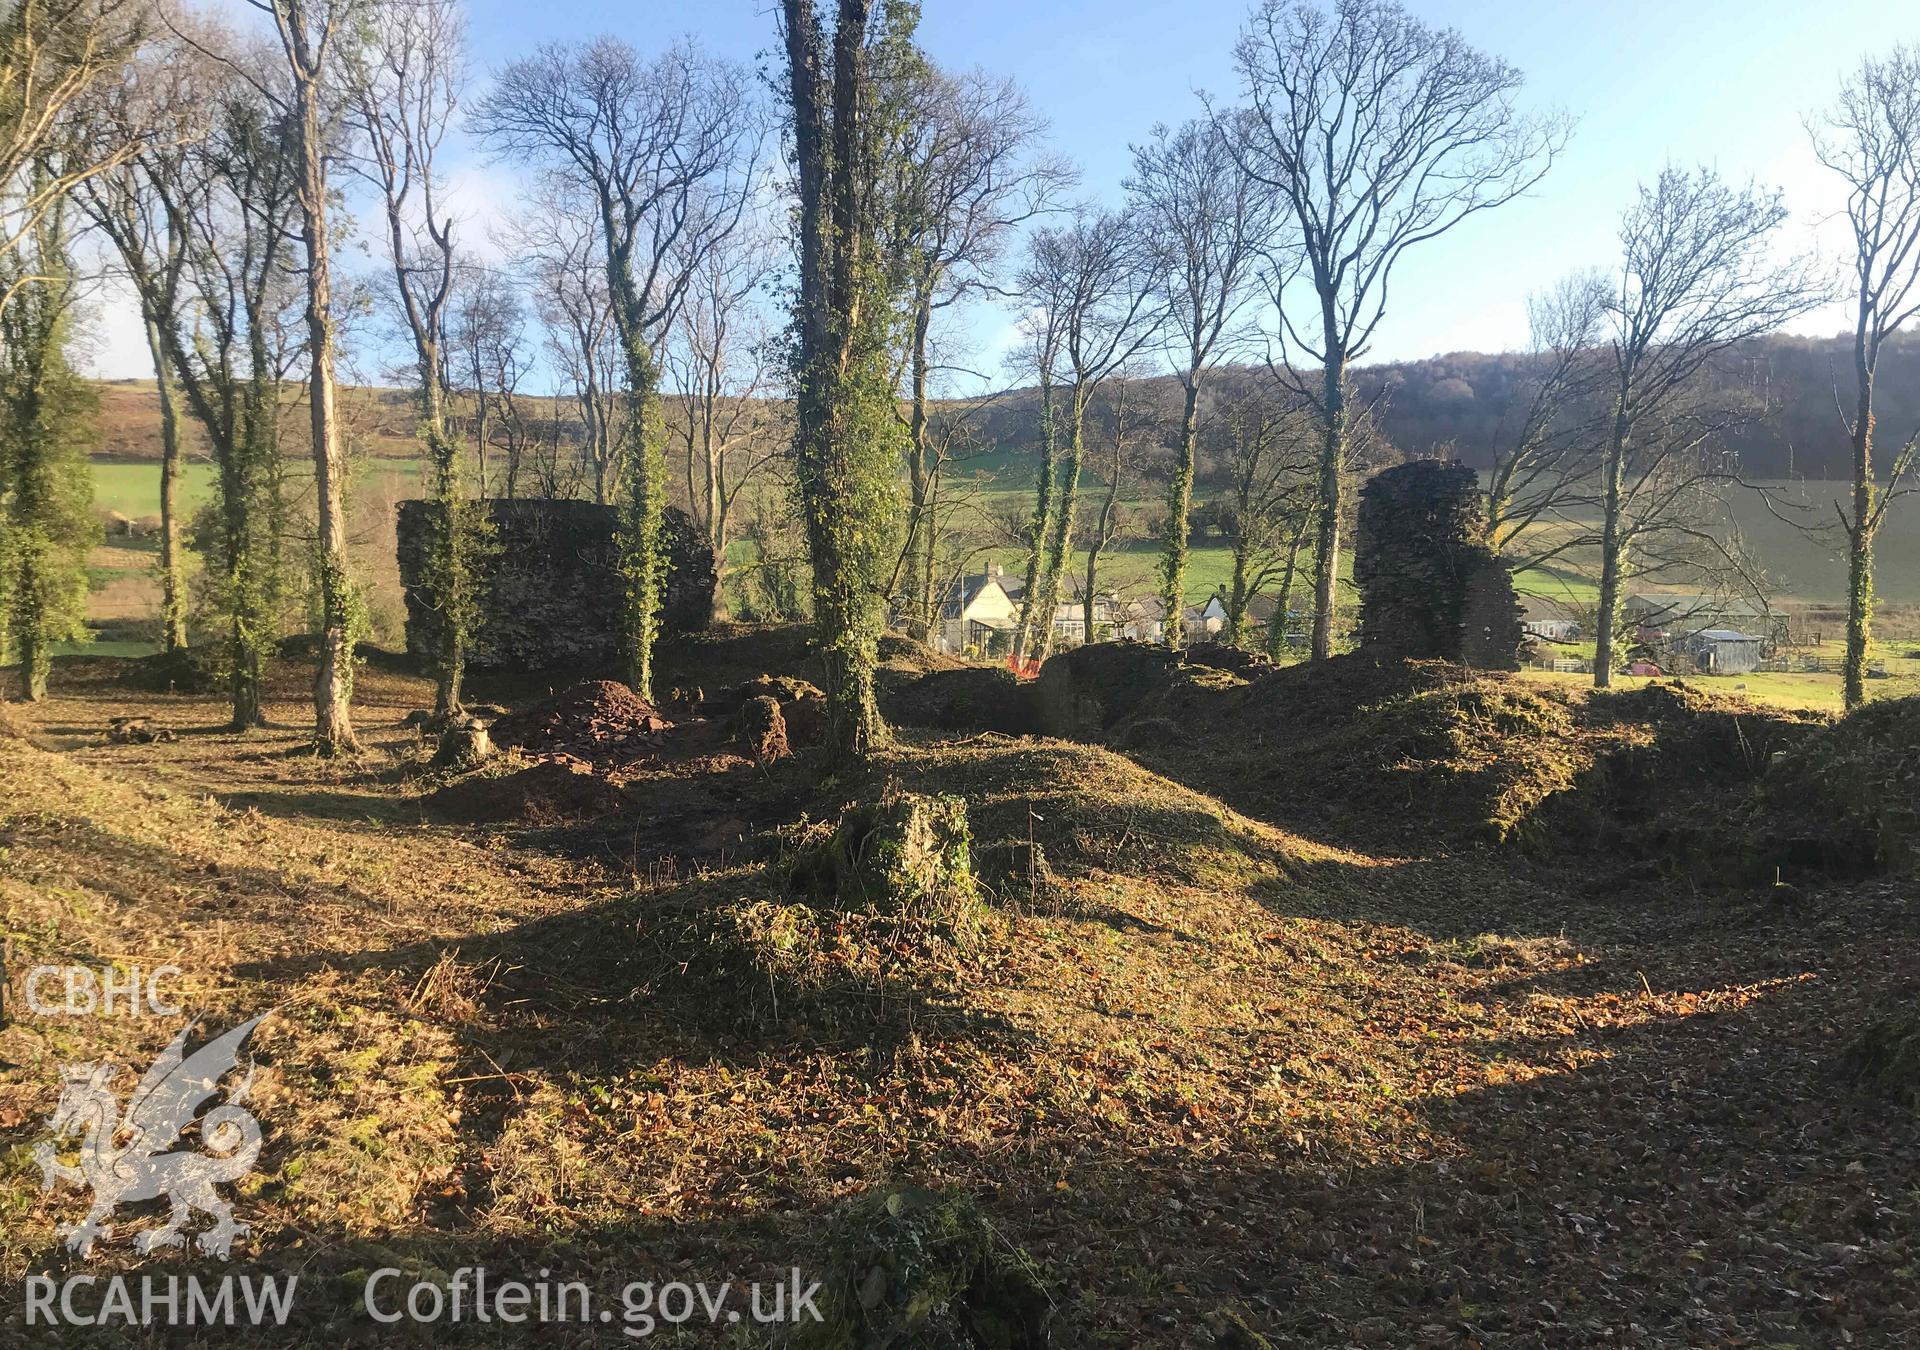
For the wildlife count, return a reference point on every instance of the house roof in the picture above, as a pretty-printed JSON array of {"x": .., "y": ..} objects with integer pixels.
[
  {"x": 1675, "y": 605},
  {"x": 966, "y": 590},
  {"x": 1726, "y": 635}
]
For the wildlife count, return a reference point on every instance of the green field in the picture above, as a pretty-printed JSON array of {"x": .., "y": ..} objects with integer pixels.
[
  {"x": 1804, "y": 569},
  {"x": 133, "y": 488}
]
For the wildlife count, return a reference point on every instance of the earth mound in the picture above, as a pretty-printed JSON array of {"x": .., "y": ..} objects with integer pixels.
[
  {"x": 1395, "y": 755},
  {"x": 967, "y": 698},
  {"x": 1848, "y": 796},
  {"x": 1421, "y": 756},
  {"x": 595, "y": 719},
  {"x": 555, "y": 791},
  {"x": 1083, "y": 692}
]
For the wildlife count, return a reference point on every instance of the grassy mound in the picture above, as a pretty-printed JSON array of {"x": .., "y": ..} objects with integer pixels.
[
  {"x": 1091, "y": 812},
  {"x": 1674, "y": 776},
  {"x": 1403, "y": 755},
  {"x": 1417, "y": 756},
  {"x": 817, "y": 930}
]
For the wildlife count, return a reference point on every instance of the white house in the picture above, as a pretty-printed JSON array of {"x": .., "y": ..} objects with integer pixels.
[
  {"x": 978, "y": 614},
  {"x": 1553, "y": 630},
  {"x": 1207, "y": 620},
  {"x": 1142, "y": 619}
]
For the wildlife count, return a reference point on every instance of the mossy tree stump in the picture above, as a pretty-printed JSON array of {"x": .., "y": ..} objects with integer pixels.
[{"x": 904, "y": 854}]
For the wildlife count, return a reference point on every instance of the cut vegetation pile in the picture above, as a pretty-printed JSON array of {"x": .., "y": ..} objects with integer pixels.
[{"x": 594, "y": 720}]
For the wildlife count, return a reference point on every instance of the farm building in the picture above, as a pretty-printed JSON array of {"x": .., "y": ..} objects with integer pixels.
[
  {"x": 1725, "y": 651},
  {"x": 1672, "y": 617}
]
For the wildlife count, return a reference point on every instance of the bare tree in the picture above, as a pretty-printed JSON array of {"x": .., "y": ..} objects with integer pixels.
[
  {"x": 1695, "y": 279},
  {"x": 230, "y": 204},
  {"x": 1542, "y": 470},
  {"x": 1871, "y": 139},
  {"x": 55, "y": 56},
  {"x": 1212, "y": 222},
  {"x": 486, "y": 361},
  {"x": 966, "y": 175},
  {"x": 162, "y": 110},
  {"x": 402, "y": 81},
  {"x": 307, "y": 32},
  {"x": 1379, "y": 133},
  {"x": 559, "y": 245},
  {"x": 1267, "y": 463},
  {"x": 1096, "y": 303},
  {"x": 664, "y": 151},
  {"x": 1134, "y": 420},
  {"x": 720, "y": 357}
]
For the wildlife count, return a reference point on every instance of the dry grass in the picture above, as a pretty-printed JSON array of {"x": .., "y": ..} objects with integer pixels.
[{"x": 1202, "y": 1068}]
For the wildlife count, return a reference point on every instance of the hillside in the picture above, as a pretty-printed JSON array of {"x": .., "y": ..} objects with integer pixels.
[
  {"x": 1463, "y": 401},
  {"x": 1460, "y": 400}
]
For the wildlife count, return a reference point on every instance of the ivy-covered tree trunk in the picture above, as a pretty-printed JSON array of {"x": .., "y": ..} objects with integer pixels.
[
  {"x": 1283, "y": 602},
  {"x": 1173, "y": 557},
  {"x": 333, "y": 675},
  {"x": 1060, "y": 542},
  {"x": 46, "y": 415},
  {"x": 846, "y": 441},
  {"x": 642, "y": 559},
  {"x": 454, "y": 582},
  {"x": 1040, "y": 524},
  {"x": 173, "y": 590},
  {"x": 1103, "y": 530},
  {"x": 918, "y": 583}
]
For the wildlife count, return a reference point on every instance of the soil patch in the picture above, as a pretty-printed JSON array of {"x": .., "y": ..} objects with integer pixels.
[{"x": 594, "y": 720}]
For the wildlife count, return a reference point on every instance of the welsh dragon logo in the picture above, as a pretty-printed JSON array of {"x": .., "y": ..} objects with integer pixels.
[{"x": 156, "y": 1120}]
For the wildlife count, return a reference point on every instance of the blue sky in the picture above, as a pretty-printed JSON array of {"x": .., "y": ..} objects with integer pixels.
[{"x": 1723, "y": 82}]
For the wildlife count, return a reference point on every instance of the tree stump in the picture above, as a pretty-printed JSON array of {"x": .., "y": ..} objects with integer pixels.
[
  {"x": 904, "y": 854},
  {"x": 760, "y": 730},
  {"x": 463, "y": 744}
]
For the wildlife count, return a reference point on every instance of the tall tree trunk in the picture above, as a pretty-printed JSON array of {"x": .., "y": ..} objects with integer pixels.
[
  {"x": 1061, "y": 542},
  {"x": 333, "y": 678},
  {"x": 918, "y": 581},
  {"x": 1332, "y": 504},
  {"x": 1860, "y": 537},
  {"x": 640, "y": 514},
  {"x": 1173, "y": 563},
  {"x": 173, "y": 591},
  {"x": 1613, "y": 545},
  {"x": 714, "y": 490},
  {"x": 1236, "y": 626},
  {"x": 442, "y": 451},
  {"x": 1103, "y": 528},
  {"x": 1040, "y": 526},
  {"x": 844, "y": 464},
  {"x": 28, "y": 616},
  {"x": 1277, "y": 625}
]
